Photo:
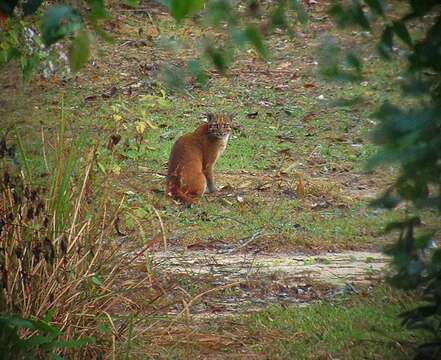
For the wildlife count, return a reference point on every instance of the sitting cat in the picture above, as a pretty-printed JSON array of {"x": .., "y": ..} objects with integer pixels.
[{"x": 190, "y": 167}]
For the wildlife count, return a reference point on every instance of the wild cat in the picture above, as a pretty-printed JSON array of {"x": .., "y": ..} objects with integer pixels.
[{"x": 193, "y": 156}]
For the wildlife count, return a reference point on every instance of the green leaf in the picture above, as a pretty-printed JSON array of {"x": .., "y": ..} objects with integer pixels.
[
  {"x": 396, "y": 225},
  {"x": 220, "y": 10},
  {"x": 9, "y": 54},
  {"x": 79, "y": 51},
  {"x": 28, "y": 65},
  {"x": 376, "y": 6},
  {"x": 195, "y": 68},
  {"x": 45, "y": 327},
  {"x": 103, "y": 34},
  {"x": 97, "y": 280},
  {"x": 436, "y": 259},
  {"x": 58, "y": 22},
  {"x": 174, "y": 79},
  {"x": 132, "y": 3},
  {"x": 387, "y": 201},
  {"x": 141, "y": 212},
  {"x": 351, "y": 15},
  {"x": 102, "y": 167},
  {"x": 97, "y": 9},
  {"x": 17, "y": 322},
  {"x": 412, "y": 189},
  {"x": 179, "y": 9},
  {"x": 340, "y": 15},
  {"x": 49, "y": 315},
  {"x": 7, "y": 7},
  {"x": 386, "y": 42},
  {"x": 255, "y": 38},
  {"x": 278, "y": 17},
  {"x": 360, "y": 17},
  {"x": 36, "y": 341},
  {"x": 218, "y": 58},
  {"x": 423, "y": 241},
  {"x": 73, "y": 344},
  {"x": 354, "y": 61},
  {"x": 302, "y": 16},
  {"x": 31, "y": 6},
  {"x": 104, "y": 328},
  {"x": 400, "y": 29}
]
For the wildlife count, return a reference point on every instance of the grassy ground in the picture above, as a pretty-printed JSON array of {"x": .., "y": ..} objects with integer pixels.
[
  {"x": 363, "y": 326},
  {"x": 288, "y": 130}
]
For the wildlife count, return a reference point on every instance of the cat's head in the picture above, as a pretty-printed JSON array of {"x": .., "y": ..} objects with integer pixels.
[{"x": 219, "y": 125}]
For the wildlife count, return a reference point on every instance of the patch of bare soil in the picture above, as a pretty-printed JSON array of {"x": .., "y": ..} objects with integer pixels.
[
  {"x": 333, "y": 268},
  {"x": 225, "y": 283}
]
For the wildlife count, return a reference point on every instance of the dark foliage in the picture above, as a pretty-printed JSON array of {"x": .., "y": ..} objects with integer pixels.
[{"x": 410, "y": 138}]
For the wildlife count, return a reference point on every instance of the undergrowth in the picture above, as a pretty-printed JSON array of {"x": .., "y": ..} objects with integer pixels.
[{"x": 58, "y": 264}]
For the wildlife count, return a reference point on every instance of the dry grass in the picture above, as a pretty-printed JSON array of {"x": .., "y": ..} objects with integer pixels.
[{"x": 58, "y": 259}]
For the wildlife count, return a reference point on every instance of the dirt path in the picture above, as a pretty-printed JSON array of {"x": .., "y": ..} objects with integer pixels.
[
  {"x": 332, "y": 268},
  {"x": 235, "y": 282}
]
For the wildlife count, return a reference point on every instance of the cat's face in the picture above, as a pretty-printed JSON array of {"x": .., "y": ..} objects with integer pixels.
[{"x": 219, "y": 125}]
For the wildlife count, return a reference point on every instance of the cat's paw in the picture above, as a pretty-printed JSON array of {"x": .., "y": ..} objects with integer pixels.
[{"x": 211, "y": 189}]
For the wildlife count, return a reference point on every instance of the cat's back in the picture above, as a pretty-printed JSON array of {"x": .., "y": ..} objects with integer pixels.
[
  {"x": 191, "y": 141},
  {"x": 188, "y": 147}
]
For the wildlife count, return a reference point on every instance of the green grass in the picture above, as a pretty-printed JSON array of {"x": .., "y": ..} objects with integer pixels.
[
  {"x": 294, "y": 129},
  {"x": 358, "y": 328},
  {"x": 284, "y": 223},
  {"x": 298, "y": 130}
]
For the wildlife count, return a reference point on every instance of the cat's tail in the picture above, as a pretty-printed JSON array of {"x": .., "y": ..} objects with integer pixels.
[{"x": 174, "y": 191}]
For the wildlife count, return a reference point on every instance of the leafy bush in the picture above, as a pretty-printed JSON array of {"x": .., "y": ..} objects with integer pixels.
[
  {"x": 43, "y": 341},
  {"x": 409, "y": 137},
  {"x": 22, "y": 37}
]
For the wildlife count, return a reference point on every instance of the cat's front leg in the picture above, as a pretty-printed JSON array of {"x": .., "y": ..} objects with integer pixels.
[
  {"x": 210, "y": 179},
  {"x": 211, "y": 188}
]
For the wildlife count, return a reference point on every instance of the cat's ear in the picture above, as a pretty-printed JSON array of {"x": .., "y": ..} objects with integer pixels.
[
  {"x": 210, "y": 117},
  {"x": 232, "y": 115}
]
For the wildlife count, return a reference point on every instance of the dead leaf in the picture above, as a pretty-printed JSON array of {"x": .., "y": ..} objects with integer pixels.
[
  {"x": 309, "y": 116},
  {"x": 309, "y": 86},
  {"x": 155, "y": 241},
  {"x": 263, "y": 187},
  {"x": 147, "y": 68},
  {"x": 245, "y": 184},
  {"x": 3, "y": 21},
  {"x": 226, "y": 202},
  {"x": 113, "y": 141},
  {"x": 286, "y": 152},
  {"x": 322, "y": 204},
  {"x": 152, "y": 31},
  {"x": 196, "y": 246},
  {"x": 289, "y": 193},
  {"x": 227, "y": 187},
  {"x": 113, "y": 90},
  {"x": 286, "y": 138},
  {"x": 117, "y": 229},
  {"x": 252, "y": 115},
  {"x": 91, "y": 97}
]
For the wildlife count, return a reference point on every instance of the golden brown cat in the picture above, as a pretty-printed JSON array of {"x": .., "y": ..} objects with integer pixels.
[{"x": 190, "y": 167}]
